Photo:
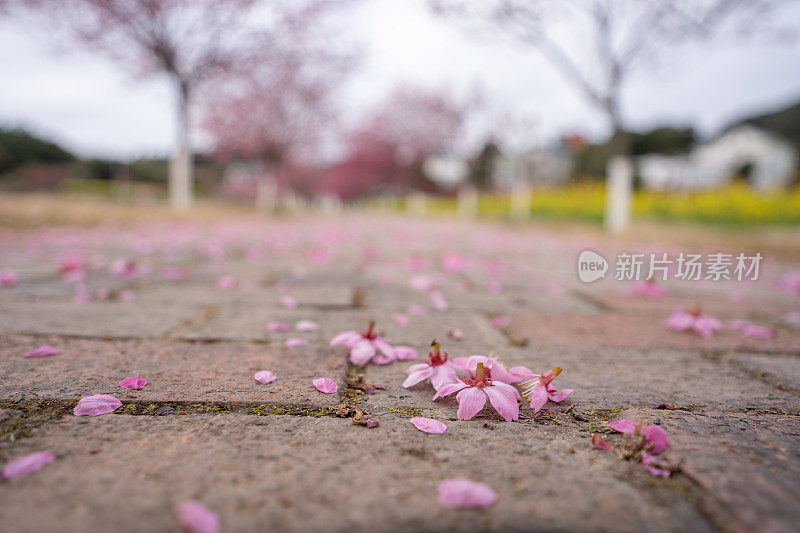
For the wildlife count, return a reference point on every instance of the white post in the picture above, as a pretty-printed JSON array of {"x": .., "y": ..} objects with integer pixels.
[
  {"x": 521, "y": 203},
  {"x": 468, "y": 202},
  {"x": 619, "y": 185},
  {"x": 266, "y": 194},
  {"x": 180, "y": 179}
]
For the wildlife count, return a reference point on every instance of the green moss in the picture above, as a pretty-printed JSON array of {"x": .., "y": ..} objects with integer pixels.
[
  {"x": 32, "y": 414},
  {"x": 408, "y": 412}
]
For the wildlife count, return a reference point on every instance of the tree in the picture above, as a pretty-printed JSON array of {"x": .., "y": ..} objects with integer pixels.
[
  {"x": 387, "y": 148},
  {"x": 279, "y": 112},
  {"x": 190, "y": 41},
  {"x": 603, "y": 44}
]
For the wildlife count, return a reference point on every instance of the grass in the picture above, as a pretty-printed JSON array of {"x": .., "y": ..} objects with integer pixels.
[{"x": 734, "y": 206}]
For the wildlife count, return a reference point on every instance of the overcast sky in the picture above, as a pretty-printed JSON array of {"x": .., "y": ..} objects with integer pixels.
[{"x": 95, "y": 109}]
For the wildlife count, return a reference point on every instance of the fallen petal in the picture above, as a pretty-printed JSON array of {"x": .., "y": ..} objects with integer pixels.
[
  {"x": 326, "y": 385},
  {"x": 306, "y": 325},
  {"x": 265, "y": 376},
  {"x": 599, "y": 443},
  {"x": 465, "y": 494},
  {"x": 405, "y": 353},
  {"x": 428, "y": 425},
  {"x": 294, "y": 343},
  {"x": 98, "y": 404},
  {"x": 196, "y": 518},
  {"x": 133, "y": 382},
  {"x": 623, "y": 425},
  {"x": 43, "y": 351},
  {"x": 278, "y": 326},
  {"x": 27, "y": 464}
]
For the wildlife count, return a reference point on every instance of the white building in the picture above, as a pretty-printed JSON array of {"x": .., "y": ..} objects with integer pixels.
[
  {"x": 532, "y": 168},
  {"x": 771, "y": 160}
]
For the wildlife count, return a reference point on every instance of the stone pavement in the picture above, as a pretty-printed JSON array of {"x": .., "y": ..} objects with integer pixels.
[{"x": 285, "y": 457}]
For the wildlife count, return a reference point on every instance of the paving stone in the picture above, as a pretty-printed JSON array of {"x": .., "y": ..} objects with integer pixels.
[
  {"x": 636, "y": 331},
  {"x": 305, "y": 474},
  {"x": 784, "y": 369},
  {"x": 113, "y": 318},
  {"x": 747, "y": 465},
  {"x": 175, "y": 371},
  {"x": 607, "y": 378}
]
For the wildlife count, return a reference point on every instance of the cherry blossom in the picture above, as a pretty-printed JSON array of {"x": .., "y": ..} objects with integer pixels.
[
  {"x": 465, "y": 494},
  {"x": 306, "y": 325},
  {"x": 438, "y": 369},
  {"x": 473, "y": 392},
  {"x": 133, "y": 383},
  {"x": 43, "y": 351},
  {"x": 539, "y": 389},
  {"x": 647, "y": 442},
  {"x": 8, "y": 278},
  {"x": 693, "y": 320},
  {"x": 72, "y": 269},
  {"x": 265, "y": 376},
  {"x": 428, "y": 425},
  {"x": 98, "y": 404},
  {"x": 366, "y": 347},
  {"x": 326, "y": 385},
  {"x": 27, "y": 464},
  {"x": 295, "y": 343},
  {"x": 196, "y": 518},
  {"x": 279, "y": 326}
]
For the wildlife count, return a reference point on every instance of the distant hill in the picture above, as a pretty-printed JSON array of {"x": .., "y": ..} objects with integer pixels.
[
  {"x": 785, "y": 122},
  {"x": 19, "y": 147}
]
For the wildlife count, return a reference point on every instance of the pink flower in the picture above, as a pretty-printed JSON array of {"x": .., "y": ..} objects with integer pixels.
[
  {"x": 72, "y": 269},
  {"x": 265, "y": 376},
  {"x": 27, "y": 464},
  {"x": 133, "y": 383},
  {"x": 226, "y": 283},
  {"x": 539, "y": 389},
  {"x": 455, "y": 334},
  {"x": 465, "y": 494},
  {"x": 196, "y": 518},
  {"x": 43, "y": 351},
  {"x": 402, "y": 320},
  {"x": 428, "y": 425},
  {"x": 438, "y": 369},
  {"x": 469, "y": 365},
  {"x": 326, "y": 385},
  {"x": 288, "y": 301},
  {"x": 98, "y": 404},
  {"x": 693, "y": 320},
  {"x": 278, "y": 326},
  {"x": 306, "y": 325},
  {"x": 8, "y": 278},
  {"x": 474, "y": 391},
  {"x": 655, "y": 443},
  {"x": 295, "y": 343},
  {"x": 126, "y": 268},
  {"x": 501, "y": 321},
  {"x": 648, "y": 289},
  {"x": 366, "y": 347}
]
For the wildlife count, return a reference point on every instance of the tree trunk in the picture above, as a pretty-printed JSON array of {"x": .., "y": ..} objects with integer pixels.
[
  {"x": 619, "y": 182},
  {"x": 181, "y": 170}
]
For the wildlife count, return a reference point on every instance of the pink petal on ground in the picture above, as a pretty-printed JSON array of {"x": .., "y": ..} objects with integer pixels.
[
  {"x": 622, "y": 425},
  {"x": 326, "y": 385},
  {"x": 43, "y": 351},
  {"x": 680, "y": 320},
  {"x": 403, "y": 320},
  {"x": 265, "y": 376},
  {"x": 98, "y": 404},
  {"x": 649, "y": 462},
  {"x": 757, "y": 332},
  {"x": 449, "y": 388},
  {"x": 465, "y": 494},
  {"x": 501, "y": 321},
  {"x": 383, "y": 346},
  {"x": 428, "y": 425},
  {"x": 196, "y": 518},
  {"x": 27, "y": 464},
  {"x": 294, "y": 343},
  {"x": 226, "y": 283},
  {"x": 539, "y": 397},
  {"x": 405, "y": 353},
  {"x": 470, "y": 401},
  {"x": 133, "y": 383},
  {"x": 438, "y": 301},
  {"x": 442, "y": 375},
  {"x": 599, "y": 443},
  {"x": 559, "y": 396},
  {"x": 8, "y": 278},
  {"x": 656, "y": 436},
  {"x": 278, "y": 326},
  {"x": 503, "y": 400},
  {"x": 288, "y": 301},
  {"x": 306, "y": 325}
]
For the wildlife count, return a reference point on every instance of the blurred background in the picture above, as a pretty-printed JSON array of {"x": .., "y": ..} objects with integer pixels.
[{"x": 586, "y": 110}]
